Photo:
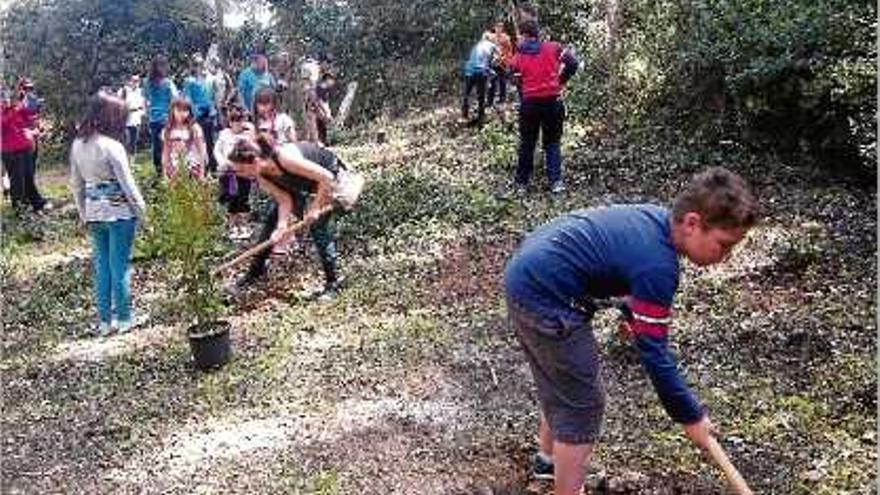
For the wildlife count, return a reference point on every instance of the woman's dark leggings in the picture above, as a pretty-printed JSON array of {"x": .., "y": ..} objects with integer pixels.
[
  {"x": 322, "y": 235},
  {"x": 21, "y": 167}
]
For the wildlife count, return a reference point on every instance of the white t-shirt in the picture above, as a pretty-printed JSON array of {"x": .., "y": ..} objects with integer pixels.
[
  {"x": 280, "y": 128},
  {"x": 226, "y": 143},
  {"x": 310, "y": 71},
  {"x": 134, "y": 101}
]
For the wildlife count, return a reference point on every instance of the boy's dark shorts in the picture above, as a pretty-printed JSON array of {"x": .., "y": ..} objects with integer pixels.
[{"x": 564, "y": 358}]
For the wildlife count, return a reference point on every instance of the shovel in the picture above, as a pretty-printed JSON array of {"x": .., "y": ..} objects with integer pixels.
[{"x": 730, "y": 472}]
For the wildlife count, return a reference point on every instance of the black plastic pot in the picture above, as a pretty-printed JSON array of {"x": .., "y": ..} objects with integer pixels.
[{"x": 210, "y": 345}]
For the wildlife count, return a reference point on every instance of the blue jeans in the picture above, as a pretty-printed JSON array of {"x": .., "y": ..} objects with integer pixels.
[
  {"x": 111, "y": 255},
  {"x": 156, "y": 144}
]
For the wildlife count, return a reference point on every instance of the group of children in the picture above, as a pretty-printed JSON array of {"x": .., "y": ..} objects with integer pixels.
[
  {"x": 258, "y": 146},
  {"x": 553, "y": 283},
  {"x": 541, "y": 69},
  {"x": 487, "y": 71}
]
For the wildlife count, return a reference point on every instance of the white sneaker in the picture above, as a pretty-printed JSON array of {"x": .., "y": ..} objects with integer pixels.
[
  {"x": 557, "y": 187},
  {"x": 103, "y": 329},
  {"x": 240, "y": 233},
  {"x": 127, "y": 326}
]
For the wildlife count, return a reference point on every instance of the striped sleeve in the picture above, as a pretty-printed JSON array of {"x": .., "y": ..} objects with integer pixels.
[
  {"x": 650, "y": 306},
  {"x": 650, "y": 318}
]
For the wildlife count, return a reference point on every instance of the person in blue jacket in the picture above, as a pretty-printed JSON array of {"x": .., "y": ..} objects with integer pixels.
[
  {"x": 199, "y": 89},
  {"x": 159, "y": 90},
  {"x": 253, "y": 78},
  {"x": 558, "y": 277},
  {"x": 477, "y": 71}
]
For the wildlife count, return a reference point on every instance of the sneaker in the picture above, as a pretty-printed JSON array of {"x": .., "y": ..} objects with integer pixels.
[
  {"x": 557, "y": 187},
  {"x": 124, "y": 326},
  {"x": 331, "y": 290},
  {"x": 103, "y": 329},
  {"x": 542, "y": 469},
  {"x": 240, "y": 233}
]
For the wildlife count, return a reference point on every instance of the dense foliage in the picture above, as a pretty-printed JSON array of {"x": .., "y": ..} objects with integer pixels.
[
  {"x": 71, "y": 48},
  {"x": 796, "y": 76}
]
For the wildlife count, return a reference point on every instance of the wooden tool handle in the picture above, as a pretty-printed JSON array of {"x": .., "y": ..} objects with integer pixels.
[
  {"x": 720, "y": 457},
  {"x": 254, "y": 250}
]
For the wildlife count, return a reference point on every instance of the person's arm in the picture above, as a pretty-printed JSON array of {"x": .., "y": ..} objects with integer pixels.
[
  {"x": 167, "y": 166},
  {"x": 242, "y": 85},
  {"x": 570, "y": 65},
  {"x": 222, "y": 148},
  {"x": 122, "y": 171},
  {"x": 77, "y": 186},
  {"x": 649, "y": 319},
  {"x": 199, "y": 136},
  {"x": 173, "y": 88},
  {"x": 290, "y": 129},
  {"x": 145, "y": 95},
  {"x": 285, "y": 207}
]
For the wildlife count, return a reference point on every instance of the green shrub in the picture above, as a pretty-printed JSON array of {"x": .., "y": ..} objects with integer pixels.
[{"x": 185, "y": 229}]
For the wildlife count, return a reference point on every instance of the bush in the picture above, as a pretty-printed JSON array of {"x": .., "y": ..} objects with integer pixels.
[{"x": 185, "y": 229}]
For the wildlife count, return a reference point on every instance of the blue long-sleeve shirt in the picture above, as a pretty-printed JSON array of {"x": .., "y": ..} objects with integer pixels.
[
  {"x": 607, "y": 252},
  {"x": 249, "y": 81},
  {"x": 158, "y": 96},
  {"x": 479, "y": 61},
  {"x": 200, "y": 93}
]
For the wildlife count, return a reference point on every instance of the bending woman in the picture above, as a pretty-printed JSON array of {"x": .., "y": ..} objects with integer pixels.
[{"x": 300, "y": 177}]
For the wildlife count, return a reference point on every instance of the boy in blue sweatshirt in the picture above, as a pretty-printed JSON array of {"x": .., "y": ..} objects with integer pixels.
[{"x": 561, "y": 270}]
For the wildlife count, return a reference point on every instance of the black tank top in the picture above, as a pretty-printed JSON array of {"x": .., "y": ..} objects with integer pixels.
[{"x": 293, "y": 183}]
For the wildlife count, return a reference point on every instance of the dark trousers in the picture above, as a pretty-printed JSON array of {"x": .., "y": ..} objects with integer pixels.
[
  {"x": 209, "y": 126},
  {"x": 156, "y": 145},
  {"x": 322, "y": 235},
  {"x": 322, "y": 131},
  {"x": 543, "y": 116},
  {"x": 477, "y": 81},
  {"x": 235, "y": 192},
  {"x": 498, "y": 88},
  {"x": 131, "y": 138},
  {"x": 21, "y": 167}
]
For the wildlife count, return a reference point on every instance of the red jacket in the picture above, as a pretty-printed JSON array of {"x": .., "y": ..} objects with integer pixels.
[
  {"x": 538, "y": 63},
  {"x": 15, "y": 124}
]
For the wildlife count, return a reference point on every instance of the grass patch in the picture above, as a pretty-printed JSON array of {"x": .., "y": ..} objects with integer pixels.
[{"x": 397, "y": 200}]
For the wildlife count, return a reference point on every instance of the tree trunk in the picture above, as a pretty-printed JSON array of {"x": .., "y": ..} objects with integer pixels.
[
  {"x": 613, "y": 22},
  {"x": 290, "y": 16}
]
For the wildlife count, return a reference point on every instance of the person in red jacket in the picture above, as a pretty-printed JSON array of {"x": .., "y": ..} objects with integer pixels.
[
  {"x": 17, "y": 142},
  {"x": 543, "y": 68}
]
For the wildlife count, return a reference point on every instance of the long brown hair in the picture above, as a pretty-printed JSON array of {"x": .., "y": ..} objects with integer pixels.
[
  {"x": 105, "y": 114},
  {"x": 189, "y": 121},
  {"x": 158, "y": 69}
]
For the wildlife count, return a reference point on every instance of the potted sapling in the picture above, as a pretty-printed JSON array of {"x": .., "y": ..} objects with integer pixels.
[{"x": 191, "y": 229}]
